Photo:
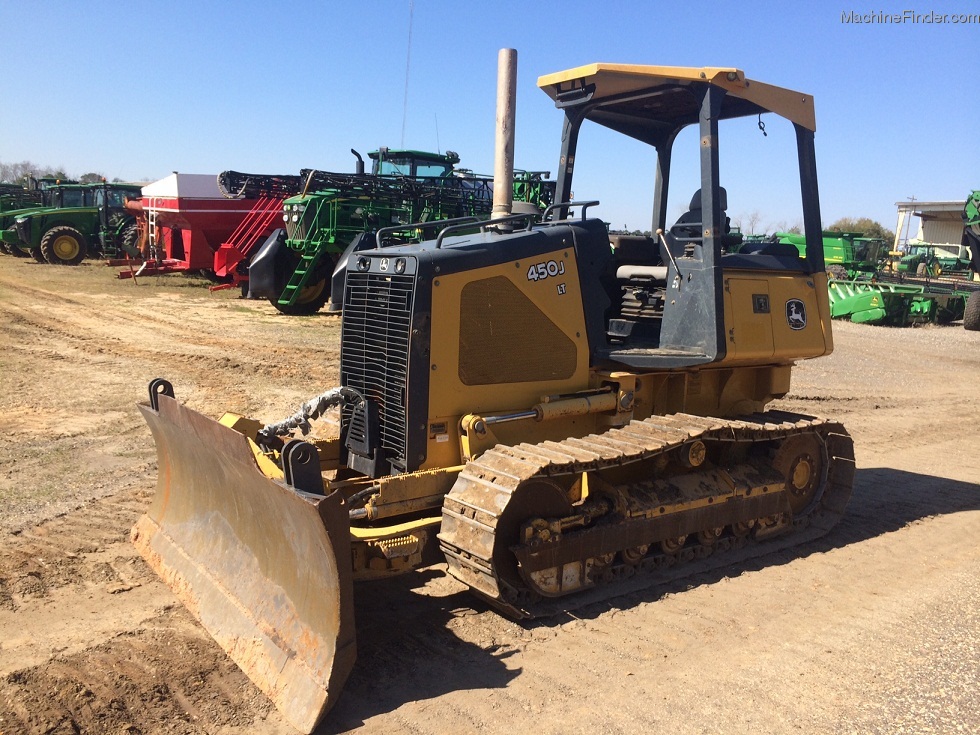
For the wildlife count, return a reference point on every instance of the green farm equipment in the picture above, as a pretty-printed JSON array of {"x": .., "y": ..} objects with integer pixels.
[
  {"x": 15, "y": 196},
  {"x": 932, "y": 261},
  {"x": 897, "y": 304},
  {"x": 944, "y": 273},
  {"x": 332, "y": 215},
  {"x": 971, "y": 225},
  {"x": 16, "y": 200},
  {"x": 971, "y": 313},
  {"x": 971, "y": 240},
  {"x": 861, "y": 291},
  {"x": 848, "y": 255},
  {"x": 81, "y": 218},
  {"x": 947, "y": 259}
]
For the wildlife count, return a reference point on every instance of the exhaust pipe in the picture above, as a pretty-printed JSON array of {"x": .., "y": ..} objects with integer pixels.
[
  {"x": 359, "y": 166},
  {"x": 503, "y": 166}
]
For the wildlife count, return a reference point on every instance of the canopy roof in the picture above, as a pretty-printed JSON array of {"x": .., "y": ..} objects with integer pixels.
[
  {"x": 646, "y": 101},
  {"x": 393, "y": 153}
]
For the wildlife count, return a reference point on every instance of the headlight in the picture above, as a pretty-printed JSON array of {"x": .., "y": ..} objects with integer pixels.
[
  {"x": 400, "y": 266},
  {"x": 295, "y": 218},
  {"x": 285, "y": 218},
  {"x": 363, "y": 263}
]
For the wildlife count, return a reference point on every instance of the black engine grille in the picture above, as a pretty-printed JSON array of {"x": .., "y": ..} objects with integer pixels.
[{"x": 374, "y": 353}]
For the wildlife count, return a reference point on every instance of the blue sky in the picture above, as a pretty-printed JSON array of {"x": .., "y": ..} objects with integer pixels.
[{"x": 140, "y": 90}]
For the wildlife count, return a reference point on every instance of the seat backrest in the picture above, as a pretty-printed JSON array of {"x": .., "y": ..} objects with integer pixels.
[
  {"x": 696, "y": 199},
  {"x": 688, "y": 225}
]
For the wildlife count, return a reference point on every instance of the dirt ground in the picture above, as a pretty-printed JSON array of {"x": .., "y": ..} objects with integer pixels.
[{"x": 873, "y": 629}]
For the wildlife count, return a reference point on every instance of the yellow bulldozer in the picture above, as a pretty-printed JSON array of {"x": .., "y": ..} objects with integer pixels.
[{"x": 555, "y": 412}]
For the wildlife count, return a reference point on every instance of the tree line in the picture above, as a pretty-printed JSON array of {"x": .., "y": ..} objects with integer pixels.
[
  {"x": 749, "y": 225},
  {"x": 20, "y": 172}
]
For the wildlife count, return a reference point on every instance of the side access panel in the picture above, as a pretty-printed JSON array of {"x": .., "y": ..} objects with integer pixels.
[{"x": 264, "y": 568}]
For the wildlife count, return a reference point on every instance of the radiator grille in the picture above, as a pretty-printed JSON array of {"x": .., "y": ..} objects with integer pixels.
[
  {"x": 375, "y": 349},
  {"x": 299, "y": 231}
]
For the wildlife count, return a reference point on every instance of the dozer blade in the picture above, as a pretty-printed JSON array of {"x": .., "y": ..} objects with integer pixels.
[{"x": 264, "y": 568}]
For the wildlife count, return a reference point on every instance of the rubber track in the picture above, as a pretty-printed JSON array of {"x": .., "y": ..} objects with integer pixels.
[{"x": 472, "y": 509}]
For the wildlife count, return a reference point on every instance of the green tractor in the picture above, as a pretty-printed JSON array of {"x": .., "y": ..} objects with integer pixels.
[
  {"x": 13, "y": 200},
  {"x": 16, "y": 200},
  {"x": 926, "y": 260},
  {"x": 79, "y": 219},
  {"x": 338, "y": 214}
]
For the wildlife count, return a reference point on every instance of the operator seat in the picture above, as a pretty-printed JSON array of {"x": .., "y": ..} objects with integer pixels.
[{"x": 686, "y": 231}]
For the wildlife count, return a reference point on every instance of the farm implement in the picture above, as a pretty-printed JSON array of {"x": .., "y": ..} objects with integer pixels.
[{"x": 332, "y": 215}]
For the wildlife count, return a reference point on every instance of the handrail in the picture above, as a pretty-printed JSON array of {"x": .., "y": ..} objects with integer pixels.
[
  {"x": 385, "y": 231},
  {"x": 686, "y": 225},
  {"x": 529, "y": 216},
  {"x": 568, "y": 205}
]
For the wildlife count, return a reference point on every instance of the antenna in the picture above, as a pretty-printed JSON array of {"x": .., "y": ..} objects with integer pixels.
[
  {"x": 908, "y": 222},
  {"x": 408, "y": 61},
  {"x": 438, "y": 147}
]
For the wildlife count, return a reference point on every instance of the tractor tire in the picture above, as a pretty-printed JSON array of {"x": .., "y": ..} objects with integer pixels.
[
  {"x": 38, "y": 255},
  {"x": 64, "y": 246},
  {"x": 838, "y": 271},
  {"x": 922, "y": 270},
  {"x": 311, "y": 299},
  {"x": 971, "y": 313}
]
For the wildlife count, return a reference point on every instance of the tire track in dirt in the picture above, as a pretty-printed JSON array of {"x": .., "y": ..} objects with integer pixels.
[
  {"x": 196, "y": 341},
  {"x": 100, "y": 645},
  {"x": 82, "y": 556},
  {"x": 160, "y": 678},
  {"x": 75, "y": 363}
]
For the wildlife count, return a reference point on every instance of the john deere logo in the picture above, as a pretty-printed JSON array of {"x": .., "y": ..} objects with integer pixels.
[{"x": 795, "y": 314}]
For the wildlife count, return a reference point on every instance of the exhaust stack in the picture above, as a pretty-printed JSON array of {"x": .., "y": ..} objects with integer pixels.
[
  {"x": 503, "y": 166},
  {"x": 359, "y": 166}
]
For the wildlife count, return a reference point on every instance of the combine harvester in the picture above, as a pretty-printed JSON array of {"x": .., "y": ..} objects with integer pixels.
[
  {"x": 559, "y": 418},
  {"x": 849, "y": 255}
]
